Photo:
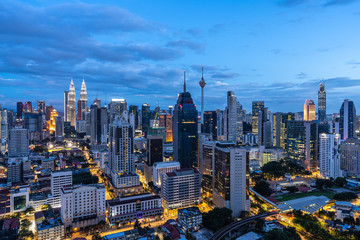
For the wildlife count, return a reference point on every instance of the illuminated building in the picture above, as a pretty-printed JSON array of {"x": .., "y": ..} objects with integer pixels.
[
  {"x": 18, "y": 142},
  {"x": 309, "y": 110},
  {"x": 347, "y": 125},
  {"x": 230, "y": 117},
  {"x": 49, "y": 109},
  {"x": 121, "y": 153},
  {"x": 51, "y": 123},
  {"x": 71, "y": 106},
  {"x": 28, "y": 107},
  {"x": 59, "y": 179},
  {"x": 4, "y": 130},
  {"x": 145, "y": 116},
  {"x": 19, "y": 110},
  {"x": 231, "y": 173},
  {"x": 66, "y": 103},
  {"x": 302, "y": 137},
  {"x": 41, "y": 106},
  {"x": 329, "y": 155},
  {"x": 98, "y": 125},
  {"x": 169, "y": 127},
  {"x": 350, "y": 157},
  {"x": 117, "y": 107},
  {"x": 135, "y": 110},
  {"x": 82, "y": 103},
  {"x": 280, "y": 125},
  {"x": 210, "y": 124},
  {"x": 206, "y": 167},
  {"x": 257, "y": 106},
  {"x": 181, "y": 188},
  {"x": 185, "y": 130},
  {"x": 190, "y": 218},
  {"x": 159, "y": 168},
  {"x": 239, "y": 122},
  {"x": 322, "y": 102}
]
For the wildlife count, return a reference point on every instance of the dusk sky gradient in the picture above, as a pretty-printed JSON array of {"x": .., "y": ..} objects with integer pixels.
[{"x": 275, "y": 51}]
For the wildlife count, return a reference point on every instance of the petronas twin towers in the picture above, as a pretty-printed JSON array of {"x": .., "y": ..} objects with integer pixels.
[{"x": 70, "y": 104}]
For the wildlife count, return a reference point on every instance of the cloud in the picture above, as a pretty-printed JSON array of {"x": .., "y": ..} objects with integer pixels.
[
  {"x": 301, "y": 75},
  {"x": 291, "y": 3},
  {"x": 187, "y": 44},
  {"x": 337, "y": 2},
  {"x": 217, "y": 28},
  {"x": 225, "y": 75}
]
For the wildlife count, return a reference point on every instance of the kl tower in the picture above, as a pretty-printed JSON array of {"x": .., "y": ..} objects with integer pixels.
[{"x": 202, "y": 84}]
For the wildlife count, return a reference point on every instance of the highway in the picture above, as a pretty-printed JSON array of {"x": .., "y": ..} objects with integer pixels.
[{"x": 232, "y": 226}]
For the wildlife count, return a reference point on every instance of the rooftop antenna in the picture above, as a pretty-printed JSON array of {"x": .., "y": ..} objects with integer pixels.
[{"x": 184, "y": 81}]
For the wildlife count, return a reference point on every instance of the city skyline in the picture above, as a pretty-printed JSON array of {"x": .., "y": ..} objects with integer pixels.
[{"x": 129, "y": 50}]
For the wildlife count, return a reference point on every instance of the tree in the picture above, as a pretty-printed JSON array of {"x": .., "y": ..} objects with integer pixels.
[
  {"x": 292, "y": 189},
  {"x": 345, "y": 196},
  {"x": 29, "y": 210},
  {"x": 274, "y": 169},
  {"x": 45, "y": 207},
  {"x": 96, "y": 236},
  {"x": 25, "y": 224},
  {"x": 340, "y": 181},
  {"x": 263, "y": 188},
  {"x": 323, "y": 183},
  {"x": 285, "y": 234},
  {"x": 137, "y": 224},
  {"x": 217, "y": 218}
]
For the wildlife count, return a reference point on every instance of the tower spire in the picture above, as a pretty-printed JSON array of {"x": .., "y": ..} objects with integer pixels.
[{"x": 184, "y": 81}]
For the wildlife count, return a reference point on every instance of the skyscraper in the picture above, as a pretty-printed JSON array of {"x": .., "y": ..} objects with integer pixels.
[
  {"x": 66, "y": 103},
  {"x": 309, "y": 110},
  {"x": 41, "y": 107},
  {"x": 257, "y": 106},
  {"x": 135, "y": 110},
  {"x": 239, "y": 122},
  {"x": 82, "y": 103},
  {"x": 145, "y": 116},
  {"x": 18, "y": 142},
  {"x": 329, "y": 155},
  {"x": 347, "y": 120},
  {"x": 117, "y": 107},
  {"x": 185, "y": 132},
  {"x": 322, "y": 102},
  {"x": 230, "y": 118},
  {"x": 28, "y": 106},
  {"x": 202, "y": 85},
  {"x": 280, "y": 126},
  {"x": 121, "y": 152},
  {"x": 19, "y": 110},
  {"x": 98, "y": 125},
  {"x": 71, "y": 106},
  {"x": 210, "y": 124}
]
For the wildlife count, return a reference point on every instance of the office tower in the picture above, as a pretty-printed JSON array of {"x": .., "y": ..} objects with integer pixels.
[
  {"x": 181, "y": 188},
  {"x": 239, "y": 122},
  {"x": 83, "y": 205},
  {"x": 210, "y": 124},
  {"x": 145, "y": 116},
  {"x": 159, "y": 168},
  {"x": 98, "y": 125},
  {"x": 135, "y": 110},
  {"x": 309, "y": 110},
  {"x": 322, "y": 102},
  {"x": 18, "y": 142},
  {"x": 4, "y": 130},
  {"x": 15, "y": 170},
  {"x": 230, "y": 117},
  {"x": 50, "y": 125},
  {"x": 207, "y": 167},
  {"x": 121, "y": 152},
  {"x": 170, "y": 111},
  {"x": 66, "y": 103},
  {"x": 60, "y": 179},
  {"x": 185, "y": 138},
  {"x": 280, "y": 126},
  {"x": 231, "y": 168},
  {"x": 329, "y": 155},
  {"x": 28, "y": 107},
  {"x": 33, "y": 121},
  {"x": 169, "y": 127},
  {"x": 257, "y": 106},
  {"x": 347, "y": 125},
  {"x": 10, "y": 119},
  {"x": 81, "y": 126},
  {"x": 132, "y": 208},
  {"x": 264, "y": 129},
  {"x": 202, "y": 84},
  {"x": 302, "y": 138},
  {"x": 19, "y": 110},
  {"x": 155, "y": 149},
  {"x": 350, "y": 157},
  {"x": 59, "y": 128},
  {"x": 220, "y": 123},
  {"x": 97, "y": 102},
  {"x": 41, "y": 107},
  {"x": 71, "y": 105},
  {"x": 117, "y": 107},
  {"x": 49, "y": 110},
  {"x": 83, "y": 100}
]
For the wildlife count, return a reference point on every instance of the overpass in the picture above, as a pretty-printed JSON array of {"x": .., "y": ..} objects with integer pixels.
[{"x": 235, "y": 225}]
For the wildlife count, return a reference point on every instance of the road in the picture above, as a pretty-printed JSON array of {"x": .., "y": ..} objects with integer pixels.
[{"x": 232, "y": 226}]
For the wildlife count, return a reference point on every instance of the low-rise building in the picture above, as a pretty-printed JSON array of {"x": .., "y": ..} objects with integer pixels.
[
  {"x": 346, "y": 209},
  {"x": 126, "y": 235},
  {"x": 49, "y": 225},
  {"x": 130, "y": 208},
  {"x": 190, "y": 218}
]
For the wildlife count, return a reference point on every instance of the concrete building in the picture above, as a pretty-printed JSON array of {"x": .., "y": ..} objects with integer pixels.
[
  {"x": 160, "y": 168},
  {"x": 181, "y": 188},
  {"x": 230, "y": 117},
  {"x": 19, "y": 199},
  {"x": 83, "y": 205},
  {"x": 280, "y": 126},
  {"x": 309, "y": 110},
  {"x": 15, "y": 170},
  {"x": 59, "y": 129},
  {"x": 329, "y": 155},
  {"x": 19, "y": 142},
  {"x": 350, "y": 157},
  {"x": 49, "y": 225},
  {"x": 48, "y": 163},
  {"x": 59, "y": 179},
  {"x": 231, "y": 183},
  {"x": 117, "y": 107},
  {"x": 190, "y": 218},
  {"x": 128, "y": 209}
]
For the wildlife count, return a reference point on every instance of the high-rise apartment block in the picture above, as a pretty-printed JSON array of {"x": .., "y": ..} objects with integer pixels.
[
  {"x": 59, "y": 179},
  {"x": 329, "y": 155},
  {"x": 18, "y": 142}
]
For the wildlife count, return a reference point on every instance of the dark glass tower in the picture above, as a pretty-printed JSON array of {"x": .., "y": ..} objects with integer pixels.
[
  {"x": 185, "y": 130},
  {"x": 135, "y": 110},
  {"x": 210, "y": 124},
  {"x": 322, "y": 102},
  {"x": 347, "y": 120},
  {"x": 145, "y": 116}
]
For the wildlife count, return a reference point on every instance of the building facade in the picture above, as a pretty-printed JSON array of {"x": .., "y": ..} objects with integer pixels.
[
  {"x": 329, "y": 155},
  {"x": 347, "y": 124},
  {"x": 322, "y": 102}
]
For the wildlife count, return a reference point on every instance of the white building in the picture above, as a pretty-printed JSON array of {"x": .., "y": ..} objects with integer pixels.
[
  {"x": 134, "y": 207},
  {"x": 121, "y": 153},
  {"x": 159, "y": 168},
  {"x": 19, "y": 199},
  {"x": 230, "y": 177},
  {"x": 59, "y": 179},
  {"x": 19, "y": 142},
  {"x": 190, "y": 218},
  {"x": 329, "y": 155},
  {"x": 83, "y": 205},
  {"x": 181, "y": 188}
]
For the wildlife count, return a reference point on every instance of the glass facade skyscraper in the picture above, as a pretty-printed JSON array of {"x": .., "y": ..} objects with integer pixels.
[
  {"x": 322, "y": 102},
  {"x": 347, "y": 125}
]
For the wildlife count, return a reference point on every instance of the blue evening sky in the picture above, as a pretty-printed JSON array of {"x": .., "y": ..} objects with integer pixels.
[{"x": 276, "y": 51}]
